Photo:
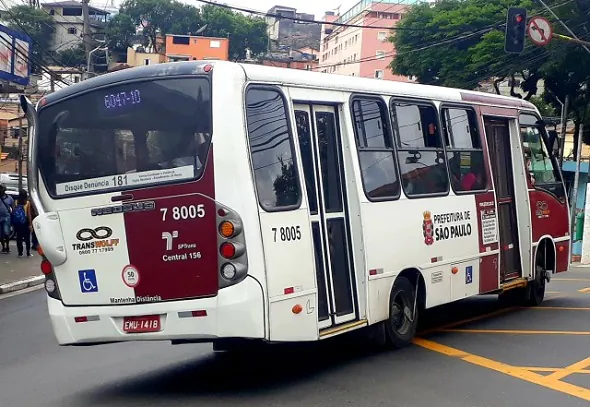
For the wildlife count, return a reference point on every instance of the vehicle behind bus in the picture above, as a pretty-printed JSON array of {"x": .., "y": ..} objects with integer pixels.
[{"x": 213, "y": 201}]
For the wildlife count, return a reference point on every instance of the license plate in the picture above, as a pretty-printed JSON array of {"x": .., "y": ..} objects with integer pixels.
[{"x": 148, "y": 323}]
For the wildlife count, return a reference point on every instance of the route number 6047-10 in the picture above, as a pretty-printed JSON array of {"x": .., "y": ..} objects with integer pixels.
[{"x": 185, "y": 212}]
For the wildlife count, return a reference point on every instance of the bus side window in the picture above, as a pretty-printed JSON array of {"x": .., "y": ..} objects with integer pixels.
[
  {"x": 271, "y": 148},
  {"x": 420, "y": 149},
  {"x": 540, "y": 163},
  {"x": 464, "y": 150},
  {"x": 376, "y": 154}
]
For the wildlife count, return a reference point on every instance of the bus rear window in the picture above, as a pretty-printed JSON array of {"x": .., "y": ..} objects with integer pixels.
[{"x": 130, "y": 135}]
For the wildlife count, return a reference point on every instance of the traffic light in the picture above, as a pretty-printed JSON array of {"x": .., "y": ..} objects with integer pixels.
[{"x": 515, "y": 30}]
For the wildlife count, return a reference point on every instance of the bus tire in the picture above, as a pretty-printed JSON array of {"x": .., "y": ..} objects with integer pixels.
[
  {"x": 401, "y": 325},
  {"x": 536, "y": 288}
]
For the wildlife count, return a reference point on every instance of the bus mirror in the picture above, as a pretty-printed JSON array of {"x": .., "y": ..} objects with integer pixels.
[
  {"x": 24, "y": 103},
  {"x": 553, "y": 141}
]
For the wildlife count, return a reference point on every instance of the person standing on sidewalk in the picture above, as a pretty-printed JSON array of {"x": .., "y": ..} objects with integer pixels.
[
  {"x": 22, "y": 224},
  {"x": 6, "y": 208},
  {"x": 32, "y": 213}
]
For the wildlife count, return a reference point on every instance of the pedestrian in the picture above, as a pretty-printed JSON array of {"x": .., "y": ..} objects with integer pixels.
[
  {"x": 6, "y": 208},
  {"x": 21, "y": 221},
  {"x": 32, "y": 215}
]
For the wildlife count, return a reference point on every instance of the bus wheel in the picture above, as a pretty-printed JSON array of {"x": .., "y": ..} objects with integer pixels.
[
  {"x": 536, "y": 288},
  {"x": 402, "y": 322}
]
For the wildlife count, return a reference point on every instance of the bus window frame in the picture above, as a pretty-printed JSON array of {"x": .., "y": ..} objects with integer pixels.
[
  {"x": 421, "y": 102},
  {"x": 482, "y": 140},
  {"x": 288, "y": 112},
  {"x": 379, "y": 99},
  {"x": 54, "y": 196},
  {"x": 554, "y": 162}
]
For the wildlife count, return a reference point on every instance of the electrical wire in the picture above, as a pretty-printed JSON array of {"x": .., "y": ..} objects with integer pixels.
[{"x": 303, "y": 20}]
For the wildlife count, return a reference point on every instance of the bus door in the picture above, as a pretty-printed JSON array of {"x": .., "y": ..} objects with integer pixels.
[
  {"x": 321, "y": 151},
  {"x": 498, "y": 138}
]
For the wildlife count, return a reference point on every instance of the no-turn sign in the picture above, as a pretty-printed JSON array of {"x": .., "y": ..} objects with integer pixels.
[{"x": 540, "y": 30}]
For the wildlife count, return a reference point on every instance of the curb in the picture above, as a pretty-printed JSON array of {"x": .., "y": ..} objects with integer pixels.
[{"x": 21, "y": 285}]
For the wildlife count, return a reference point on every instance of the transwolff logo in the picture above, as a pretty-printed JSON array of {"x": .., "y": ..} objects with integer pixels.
[{"x": 95, "y": 238}]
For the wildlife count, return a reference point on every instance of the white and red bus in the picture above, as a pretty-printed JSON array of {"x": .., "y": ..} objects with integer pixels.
[{"x": 208, "y": 201}]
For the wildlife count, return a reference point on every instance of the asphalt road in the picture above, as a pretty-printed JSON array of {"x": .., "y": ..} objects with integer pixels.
[{"x": 512, "y": 357}]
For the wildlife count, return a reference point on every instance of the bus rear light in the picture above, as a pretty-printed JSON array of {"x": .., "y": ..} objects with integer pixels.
[
  {"x": 207, "y": 68},
  {"x": 222, "y": 212},
  {"x": 49, "y": 285},
  {"x": 80, "y": 319},
  {"x": 46, "y": 267},
  {"x": 199, "y": 313},
  {"x": 227, "y": 229},
  {"x": 227, "y": 250},
  {"x": 228, "y": 271},
  {"x": 296, "y": 309}
]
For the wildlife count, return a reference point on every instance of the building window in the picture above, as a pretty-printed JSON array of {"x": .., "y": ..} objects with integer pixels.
[
  {"x": 396, "y": 16},
  {"x": 380, "y": 54},
  {"x": 147, "y": 61},
  {"x": 52, "y": 12},
  {"x": 379, "y": 74},
  {"x": 215, "y": 44},
  {"x": 464, "y": 150},
  {"x": 420, "y": 149},
  {"x": 180, "y": 40},
  {"x": 271, "y": 149},
  {"x": 72, "y": 30},
  {"x": 376, "y": 154},
  {"x": 382, "y": 35}
]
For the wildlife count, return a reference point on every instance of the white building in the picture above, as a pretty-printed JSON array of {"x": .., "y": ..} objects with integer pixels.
[{"x": 69, "y": 24}]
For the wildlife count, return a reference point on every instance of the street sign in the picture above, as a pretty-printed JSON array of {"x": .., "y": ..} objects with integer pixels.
[{"x": 540, "y": 31}]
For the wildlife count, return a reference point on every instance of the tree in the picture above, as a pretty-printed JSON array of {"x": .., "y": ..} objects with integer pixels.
[
  {"x": 35, "y": 23},
  {"x": 72, "y": 57},
  {"x": 119, "y": 33},
  {"x": 460, "y": 43},
  {"x": 243, "y": 32},
  {"x": 157, "y": 17},
  {"x": 172, "y": 17}
]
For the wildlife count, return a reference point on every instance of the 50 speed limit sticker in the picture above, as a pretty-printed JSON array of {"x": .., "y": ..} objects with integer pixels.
[{"x": 130, "y": 276}]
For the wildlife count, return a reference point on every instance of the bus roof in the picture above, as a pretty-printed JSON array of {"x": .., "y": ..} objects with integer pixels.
[{"x": 294, "y": 77}]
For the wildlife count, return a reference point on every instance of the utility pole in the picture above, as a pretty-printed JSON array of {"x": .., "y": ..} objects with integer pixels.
[
  {"x": 574, "y": 203},
  {"x": 87, "y": 36},
  {"x": 564, "y": 113},
  {"x": 20, "y": 148}
]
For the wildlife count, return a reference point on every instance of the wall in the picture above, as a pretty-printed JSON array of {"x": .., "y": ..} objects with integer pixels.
[
  {"x": 197, "y": 48},
  {"x": 135, "y": 58}
]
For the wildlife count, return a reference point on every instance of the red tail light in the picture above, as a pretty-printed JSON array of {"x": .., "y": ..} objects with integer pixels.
[
  {"x": 46, "y": 267},
  {"x": 227, "y": 250}
]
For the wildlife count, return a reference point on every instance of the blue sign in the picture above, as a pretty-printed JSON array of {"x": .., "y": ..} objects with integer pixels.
[
  {"x": 88, "y": 282},
  {"x": 469, "y": 275},
  {"x": 15, "y": 56}
]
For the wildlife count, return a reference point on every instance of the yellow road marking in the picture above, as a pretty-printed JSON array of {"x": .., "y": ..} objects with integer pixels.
[
  {"x": 552, "y": 369},
  {"x": 570, "y": 279},
  {"x": 552, "y": 292},
  {"x": 465, "y": 321},
  {"x": 568, "y": 370},
  {"x": 561, "y": 308},
  {"x": 513, "y": 371},
  {"x": 584, "y": 290},
  {"x": 516, "y": 332}
]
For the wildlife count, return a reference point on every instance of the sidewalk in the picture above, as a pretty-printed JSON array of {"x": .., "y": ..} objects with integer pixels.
[{"x": 19, "y": 273}]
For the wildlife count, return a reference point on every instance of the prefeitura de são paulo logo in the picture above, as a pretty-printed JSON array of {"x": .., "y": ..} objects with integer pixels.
[{"x": 428, "y": 228}]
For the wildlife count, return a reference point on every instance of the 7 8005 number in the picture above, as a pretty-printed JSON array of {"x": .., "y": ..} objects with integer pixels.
[
  {"x": 287, "y": 233},
  {"x": 185, "y": 212}
]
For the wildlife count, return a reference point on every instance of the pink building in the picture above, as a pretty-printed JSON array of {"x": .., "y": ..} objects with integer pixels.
[{"x": 363, "y": 52}]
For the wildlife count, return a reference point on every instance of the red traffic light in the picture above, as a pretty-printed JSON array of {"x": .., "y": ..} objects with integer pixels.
[{"x": 519, "y": 18}]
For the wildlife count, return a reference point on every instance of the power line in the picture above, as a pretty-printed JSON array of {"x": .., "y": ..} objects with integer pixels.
[{"x": 303, "y": 20}]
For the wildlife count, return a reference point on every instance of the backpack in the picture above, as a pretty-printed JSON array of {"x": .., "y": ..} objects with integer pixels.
[{"x": 19, "y": 217}]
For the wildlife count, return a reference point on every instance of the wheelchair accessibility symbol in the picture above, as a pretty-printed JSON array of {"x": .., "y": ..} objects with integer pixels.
[{"x": 88, "y": 282}]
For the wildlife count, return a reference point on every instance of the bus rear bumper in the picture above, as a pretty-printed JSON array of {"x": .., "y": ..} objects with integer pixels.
[{"x": 236, "y": 312}]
